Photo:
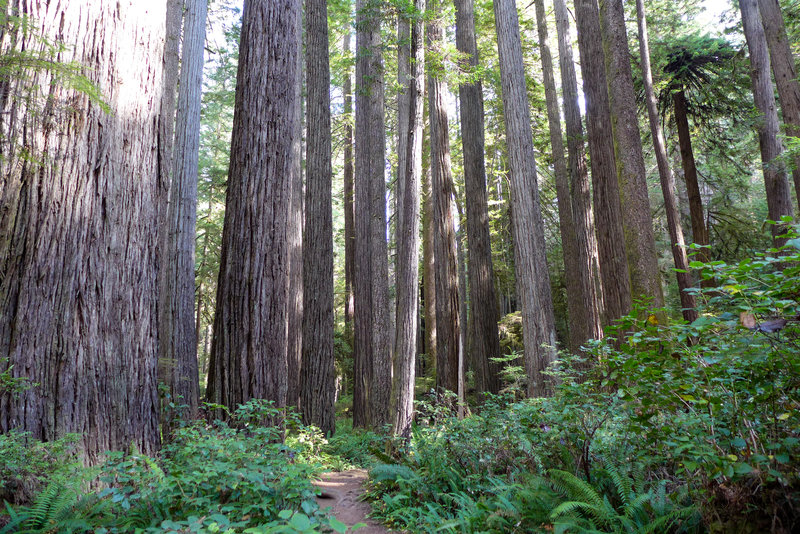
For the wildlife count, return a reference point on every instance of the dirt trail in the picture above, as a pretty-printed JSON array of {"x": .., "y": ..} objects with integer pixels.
[{"x": 342, "y": 492}]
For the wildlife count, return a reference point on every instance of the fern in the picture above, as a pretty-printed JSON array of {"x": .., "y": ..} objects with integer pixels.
[
  {"x": 391, "y": 473},
  {"x": 57, "y": 509}
]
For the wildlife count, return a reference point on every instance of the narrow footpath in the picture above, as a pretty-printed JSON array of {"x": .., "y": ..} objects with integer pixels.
[{"x": 342, "y": 492}]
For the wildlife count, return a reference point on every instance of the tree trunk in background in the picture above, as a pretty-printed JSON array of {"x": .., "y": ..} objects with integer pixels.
[
  {"x": 576, "y": 312},
  {"x": 783, "y": 68},
  {"x": 318, "y": 376},
  {"x": 166, "y": 136},
  {"x": 372, "y": 354},
  {"x": 605, "y": 191},
  {"x": 530, "y": 263},
  {"x": 428, "y": 262},
  {"x": 586, "y": 261},
  {"x": 637, "y": 219},
  {"x": 444, "y": 234},
  {"x": 412, "y": 80},
  {"x": 294, "y": 238},
  {"x": 483, "y": 332},
  {"x": 699, "y": 230},
  {"x": 249, "y": 351},
  {"x": 78, "y": 213},
  {"x": 182, "y": 216},
  {"x": 667, "y": 179},
  {"x": 779, "y": 199},
  {"x": 349, "y": 215}
]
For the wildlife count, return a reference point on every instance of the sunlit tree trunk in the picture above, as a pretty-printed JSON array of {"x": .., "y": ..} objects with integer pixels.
[
  {"x": 779, "y": 200},
  {"x": 605, "y": 190},
  {"x": 483, "y": 333},
  {"x": 586, "y": 260},
  {"x": 530, "y": 263},
  {"x": 637, "y": 219},
  {"x": 666, "y": 177},
  {"x": 79, "y": 200},
  {"x": 249, "y": 351}
]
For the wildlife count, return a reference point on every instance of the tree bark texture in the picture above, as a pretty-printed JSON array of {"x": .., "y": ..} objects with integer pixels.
[
  {"x": 605, "y": 191},
  {"x": 483, "y": 331},
  {"x": 779, "y": 200},
  {"x": 530, "y": 263},
  {"x": 637, "y": 219},
  {"x": 407, "y": 318},
  {"x": 444, "y": 234},
  {"x": 79, "y": 200},
  {"x": 699, "y": 230},
  {"x": 575, "y": 300},
  {"x": 372, "y": 355},
  {"x": 294, "y": 239},
  {"x": 783, "y": 67},
  {"x": 182, "y": 219},
  {"x": 586, "y": 260},
  {"x": 349, "y": 215},
  {"x": 249, "y": 351},
  {"x": 667, "y": 179},
  {"x": 318, "y": 375},
  {"x": 428, "y": 262}
]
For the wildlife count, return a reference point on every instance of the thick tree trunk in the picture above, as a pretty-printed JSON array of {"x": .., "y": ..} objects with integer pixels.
[
  {"x": 249, "y": 350},
  {"x": 699, "y": 230},
  {"x": 783, "y": 67},
  {"x": 444, "y": 234},
  {"x": 184, "y": 378},
  {"x": 530, "y": 263},
  {"x": 428, "y": 262},
  {"x": 483, "y": 332},
  {"x": 586, "y": 260},
  {"x": 637, "y": 219},
  {"x": 372, "y": 355},
  {"x": 605, "y": 191},
  {"x": 575, "y": 299},
  {"x": 318, "y": 374},
  {"x": 667, "y": 179},
  {"x": 779, "y": 200},
  {"x": 79, "y": 200},
  {"x": 413, "y": 82},
  {"x": 294, "y": 239},
  {"x": 349, "y": 215}
]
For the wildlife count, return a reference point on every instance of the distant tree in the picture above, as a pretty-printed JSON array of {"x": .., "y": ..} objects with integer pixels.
[
  {"x": 318, "y": 378},
  {"x": 249, "y": 351},
  {"x": 483, "y": 333},
  {"x": 79, "y": 200},
  {"x": 530, "y": 263},
  {"x": 349, "y": 215},
  {"x": 666, "y": 178}
]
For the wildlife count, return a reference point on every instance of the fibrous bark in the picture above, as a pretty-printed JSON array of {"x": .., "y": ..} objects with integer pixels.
[
  {"x": 79, "y": 194},
  {"x": 530, "y": 263},
  {"x": 484, "y": 340},
  {"x": 249, "y": 351},
  {"x": 349, "y": 215}
]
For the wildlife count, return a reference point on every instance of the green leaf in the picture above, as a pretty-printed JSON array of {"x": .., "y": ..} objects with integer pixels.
[{"x": 337, "y": 525}]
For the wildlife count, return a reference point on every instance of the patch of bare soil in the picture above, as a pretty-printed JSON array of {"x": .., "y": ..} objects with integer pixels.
[{"x": 342, "y": 492}]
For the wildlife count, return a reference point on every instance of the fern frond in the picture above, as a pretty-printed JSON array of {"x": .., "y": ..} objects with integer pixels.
[
  {"x": 591, "y": 512},
  {"x": 574, "y": 488},
  {"x": 664, "y": 522},
  {"x": 622, "y": 483}
]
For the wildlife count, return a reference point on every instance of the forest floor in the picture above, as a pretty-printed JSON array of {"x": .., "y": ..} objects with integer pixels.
[{"x": 343, "y": 492}]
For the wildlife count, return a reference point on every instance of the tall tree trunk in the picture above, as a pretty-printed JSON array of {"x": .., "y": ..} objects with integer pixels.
[
  {"x": 349, "y": 215},
  {"x": 372, "y": 356},
  {"x": 575, "y": 299},
  {"x": 667, "y": 179},
  {"x": 483, "y": 331},
  {"x": 318, "y": 374},
  {"x": 530, "y": 263},
  {"x": 779, "y": 200},
  {"x": 588, "y": 268},
  {"x": 637, "y": 219},
  {"x": 428, "y": 262},
  {"x": 699, "y": 230},
  {"x": 294, "y": 238},
  {"x": 249, "y": 351},
  {"x": 79, "y": 201},
  {"x": 783, "y": 67},
  {"x": 412, "y": 81},
  {"x": 184, "y": 378},
  {"x": 605, "y": 191},
  {"x": 444, "y": 234}
]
